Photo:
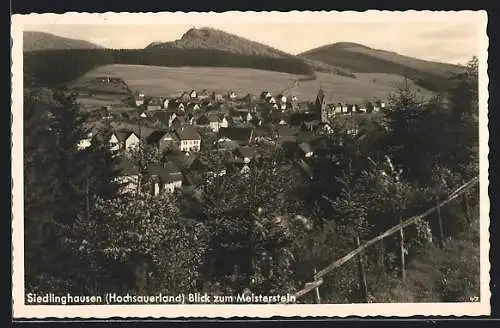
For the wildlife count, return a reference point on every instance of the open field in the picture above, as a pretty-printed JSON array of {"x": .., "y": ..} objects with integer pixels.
[{"x": 168, "y": 81}]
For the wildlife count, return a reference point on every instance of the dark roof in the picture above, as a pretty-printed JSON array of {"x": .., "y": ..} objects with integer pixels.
[
  {"x": 305, "y": 147},
  {"x": 155, "y": 136},
  {"x": 127, "y": 168},
  {"x": 167, "y": 172},
  {"x": 239, "y": 134},
  {"x": 122, "y": 135},
  {"x": 246, "y": 152},
  {"x": 203, "y": 120},
  {"x": 188, "y": 133}
]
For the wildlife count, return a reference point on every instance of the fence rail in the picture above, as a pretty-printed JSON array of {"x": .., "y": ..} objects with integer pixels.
[{"x": 318, "y": 277}]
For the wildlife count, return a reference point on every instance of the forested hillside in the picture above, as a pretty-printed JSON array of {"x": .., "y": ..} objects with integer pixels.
[{"x": 50, "y": 68}]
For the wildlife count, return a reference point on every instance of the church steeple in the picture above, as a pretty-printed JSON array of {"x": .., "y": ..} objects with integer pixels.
[{"x": 320, "y": 106}]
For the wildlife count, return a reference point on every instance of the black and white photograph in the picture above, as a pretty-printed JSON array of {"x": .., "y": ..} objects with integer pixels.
[{"x": 298, "y": 163}]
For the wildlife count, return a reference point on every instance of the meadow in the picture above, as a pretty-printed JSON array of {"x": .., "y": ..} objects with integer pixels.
[{"x": 170, "y": 81}]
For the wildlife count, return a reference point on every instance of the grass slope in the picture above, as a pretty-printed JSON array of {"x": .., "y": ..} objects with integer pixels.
[
  {"x": 164, "y": 81},
  {"x": 36, "y": 41}
]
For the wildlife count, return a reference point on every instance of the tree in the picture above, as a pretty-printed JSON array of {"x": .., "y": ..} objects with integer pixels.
[{"x": 141, "y": 244}]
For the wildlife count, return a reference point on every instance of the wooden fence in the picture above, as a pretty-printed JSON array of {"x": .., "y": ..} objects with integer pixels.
[{"x": 318, "y": 276}]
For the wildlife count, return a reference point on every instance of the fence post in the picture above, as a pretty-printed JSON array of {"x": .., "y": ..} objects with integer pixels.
[
  {"x": 318, "y": 297},
  {"x": 440, "y": 223},
  {"x": 402, "y": 239},
  {"x": 362, "y": 272}
]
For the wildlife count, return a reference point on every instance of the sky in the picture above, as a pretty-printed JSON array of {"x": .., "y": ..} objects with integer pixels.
[{"x": 450, "y": 41}]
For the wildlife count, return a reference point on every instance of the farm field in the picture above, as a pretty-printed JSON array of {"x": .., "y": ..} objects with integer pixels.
[{"x": 170, "y": 81}]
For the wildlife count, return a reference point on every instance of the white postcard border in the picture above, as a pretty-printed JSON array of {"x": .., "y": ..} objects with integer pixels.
[{"x": 20, "y": 310}]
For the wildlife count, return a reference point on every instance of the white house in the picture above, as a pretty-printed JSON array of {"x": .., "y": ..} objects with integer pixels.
[
  {"x": 190, "y": 139},
  {"x": 132, "y": 141},
  {"x": 216, "y": 123},
  {"x": 86, "y": 142},
  {"x": 181, "y": 106},
  {"x": 294, "y": 99},
  {"x": 275, "y": 106},
  {"x": 345, "y": 109},
  {"x": 232, "y": 95},
  {"x": 165, "y": 103},
  {"x": 129, "y": 178},
  {"x": 193, "y": 94},
  {"x": 283, "y": 99},
  {"x": 382, "y": 105},
  {"x": 272, "y": 100}
]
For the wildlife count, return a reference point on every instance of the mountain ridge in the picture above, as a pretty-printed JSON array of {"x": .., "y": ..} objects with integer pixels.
[{"x": 39, "y": 41}]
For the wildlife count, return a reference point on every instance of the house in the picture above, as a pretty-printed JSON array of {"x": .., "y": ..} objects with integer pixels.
[
  {"x": 184, "y": 97},
  {"x": 265, "y": 95},
  {"x": 193, "y": 107},
  {"x": 338, "y": 109},
  {"x": 345, "y": 109},
  {"x": 282, "y": 99},
  {"x": 86, "y": 142},
  {"x": 139, "y": 98},
  {"x": 181, "y": 107},
  {"x": 193, "y": 94},
  {"x": 242, "y": 135},
  {"x": 271, "y": 100},
  {"x": 294, "y": 99},
  {"x": 132, "y": 141},
  {"x": 217, "y": 97},
  {"x": 203, "y": 95},
  {"x": 189, "y": 138},
  {"x": 306, "y": 149},
  {"x": 217, "y": 121},
  {"x": 246, "y": 153},
  {"x": 238, "y": 167},
  {"x": 250, "y": 98},
  {"x": 128, "y": 178},
  {"x": 231, "y": 95},
  {"x": 202, "y": 121},
  {"x": 166, "y": 102},
  {"x": 165, "y": 177},
  {"x": 163, "y": 140},
  {"x": 123, "y": 139},
  {"x": 155, "y": 104}
]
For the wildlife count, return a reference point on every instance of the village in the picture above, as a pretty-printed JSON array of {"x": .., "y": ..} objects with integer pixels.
[{"x": 180, "y": 129}]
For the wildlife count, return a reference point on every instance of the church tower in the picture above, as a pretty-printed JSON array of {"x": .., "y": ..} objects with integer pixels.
[{"x": 320, "y": 107}]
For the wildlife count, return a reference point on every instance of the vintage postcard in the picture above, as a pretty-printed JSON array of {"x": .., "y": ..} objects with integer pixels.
[{"x": 250, "y": 164}]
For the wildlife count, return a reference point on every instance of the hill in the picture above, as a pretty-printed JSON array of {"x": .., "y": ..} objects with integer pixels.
[
  {"x": 362, "y": 59},
  {"x": 35, "y": 41},
  {"x": 169, "y": 81},
  {"x": 210, "y": 38}
]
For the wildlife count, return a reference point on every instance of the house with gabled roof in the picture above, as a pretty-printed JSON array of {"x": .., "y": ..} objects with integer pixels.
[
  {"x": 124, "y": 139},
  {"x": 189, "y": 138},
  {"x": 193, "y": 94},
  {"x": 165, "y": 177},
  {"x": 128, "y": 177},
  {"x": 154, "y": 104},
  {"x": 203, "y": 95},
  {"x": 246, "y": 154}
]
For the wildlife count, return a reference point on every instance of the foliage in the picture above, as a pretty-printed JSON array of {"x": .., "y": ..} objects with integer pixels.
[{"x": 148, "y": 242}]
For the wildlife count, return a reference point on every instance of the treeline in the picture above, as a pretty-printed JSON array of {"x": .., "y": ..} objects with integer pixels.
[
  {"x": 265, "y": 231},
  {"x": 54, "y": 67}
]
